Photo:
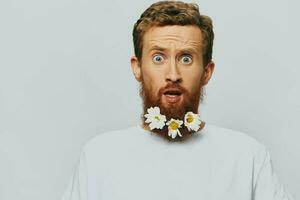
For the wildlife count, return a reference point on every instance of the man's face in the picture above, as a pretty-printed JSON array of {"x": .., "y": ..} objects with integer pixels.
[{"x": 171, "y": 70}]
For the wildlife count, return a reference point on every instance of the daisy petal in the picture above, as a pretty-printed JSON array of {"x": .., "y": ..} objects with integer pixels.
[{"x": 179, "y": 133}]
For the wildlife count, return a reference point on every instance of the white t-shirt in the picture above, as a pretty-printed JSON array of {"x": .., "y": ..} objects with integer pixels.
[{"x": 135, "y": 164}]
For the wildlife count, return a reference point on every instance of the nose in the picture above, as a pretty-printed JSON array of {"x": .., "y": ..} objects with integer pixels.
[{"x": 173, "y": 74}]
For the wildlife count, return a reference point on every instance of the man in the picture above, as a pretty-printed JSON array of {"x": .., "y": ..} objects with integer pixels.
[{"x": 173, "y": 154}]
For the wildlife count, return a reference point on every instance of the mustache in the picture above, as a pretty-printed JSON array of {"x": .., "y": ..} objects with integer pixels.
[{"x": 172, "y": 86}]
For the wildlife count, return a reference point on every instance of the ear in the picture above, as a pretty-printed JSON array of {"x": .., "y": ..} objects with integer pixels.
[
  {"x": 136, "y": 69},
  {"x": 208, "y": 71}
]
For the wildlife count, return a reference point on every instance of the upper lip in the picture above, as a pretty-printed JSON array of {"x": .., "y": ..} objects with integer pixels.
[{"x": 172, "y": 92}]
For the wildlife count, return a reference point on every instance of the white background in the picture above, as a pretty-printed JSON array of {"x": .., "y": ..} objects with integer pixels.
[{"x": 65, "y": 76}]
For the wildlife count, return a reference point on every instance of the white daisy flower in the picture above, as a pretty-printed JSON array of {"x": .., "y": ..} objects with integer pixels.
[
  {"x": 155, "y": 119},
  {"x": 173, "y": 127},
  {"x": 192, "y": 121}
]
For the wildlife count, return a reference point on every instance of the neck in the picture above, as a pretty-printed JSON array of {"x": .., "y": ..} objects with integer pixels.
[{"x": 163, "y": 133}]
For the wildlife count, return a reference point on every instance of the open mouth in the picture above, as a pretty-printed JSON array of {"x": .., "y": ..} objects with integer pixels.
[{"x": 172, "y": 95}]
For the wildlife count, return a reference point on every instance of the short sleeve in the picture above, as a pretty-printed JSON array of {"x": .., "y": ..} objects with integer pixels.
[
  {"x": 77, "y": 187},
  {"x": 266, "y": 185}
]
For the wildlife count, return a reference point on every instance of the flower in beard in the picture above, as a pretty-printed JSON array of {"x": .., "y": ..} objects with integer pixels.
[
  {"x": 192, "y": 121},
  {"x": 189, "y": 102},
  {"x": 173, "y": 127},
  {"x": 155, "y": 119}
]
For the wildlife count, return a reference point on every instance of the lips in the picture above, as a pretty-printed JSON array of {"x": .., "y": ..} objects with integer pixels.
[{"x": 172, "y": 95}]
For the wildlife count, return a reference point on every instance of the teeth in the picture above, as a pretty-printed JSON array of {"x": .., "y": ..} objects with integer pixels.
[{"x": 172, "y": 93}]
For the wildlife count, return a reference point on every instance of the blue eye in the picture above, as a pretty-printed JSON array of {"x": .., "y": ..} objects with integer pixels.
[
  {"x": 157, "y": 58},
  {"x": 186, "y": 59}
]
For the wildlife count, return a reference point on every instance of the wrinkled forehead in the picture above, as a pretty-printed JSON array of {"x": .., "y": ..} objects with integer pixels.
[{"x": 173, "y": 37}]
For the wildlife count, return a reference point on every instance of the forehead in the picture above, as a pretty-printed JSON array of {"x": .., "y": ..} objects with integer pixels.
[{"x": 173, "y": 36}]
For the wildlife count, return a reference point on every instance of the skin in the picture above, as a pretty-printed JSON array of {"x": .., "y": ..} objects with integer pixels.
[{"x": 172, "y": 54}]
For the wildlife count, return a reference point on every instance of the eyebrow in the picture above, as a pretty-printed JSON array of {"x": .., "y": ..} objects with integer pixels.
[
  {"x": 155, "y": 47},
  {"x": 186, "y": 50}
]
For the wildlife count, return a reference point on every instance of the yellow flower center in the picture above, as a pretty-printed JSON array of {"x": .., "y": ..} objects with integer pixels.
[
  {"x": 190, "y": 118},
  {"x": 157, "y": 118},
  {"x": 173, "y": 125}
]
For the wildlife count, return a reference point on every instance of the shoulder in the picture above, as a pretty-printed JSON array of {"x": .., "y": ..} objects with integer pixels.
[
  {"x": 112, "y": 139},
  {"x": 233, "y": 140}
]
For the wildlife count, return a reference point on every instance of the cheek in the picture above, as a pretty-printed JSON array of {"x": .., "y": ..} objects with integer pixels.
[
  {"x": 154, "y": 86},
  {"x": 152, "y": 80},
  {"x": 192, "y": 80}
]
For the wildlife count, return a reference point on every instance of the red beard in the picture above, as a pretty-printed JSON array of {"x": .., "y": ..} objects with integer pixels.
[{"x": 190, "y": 102}]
